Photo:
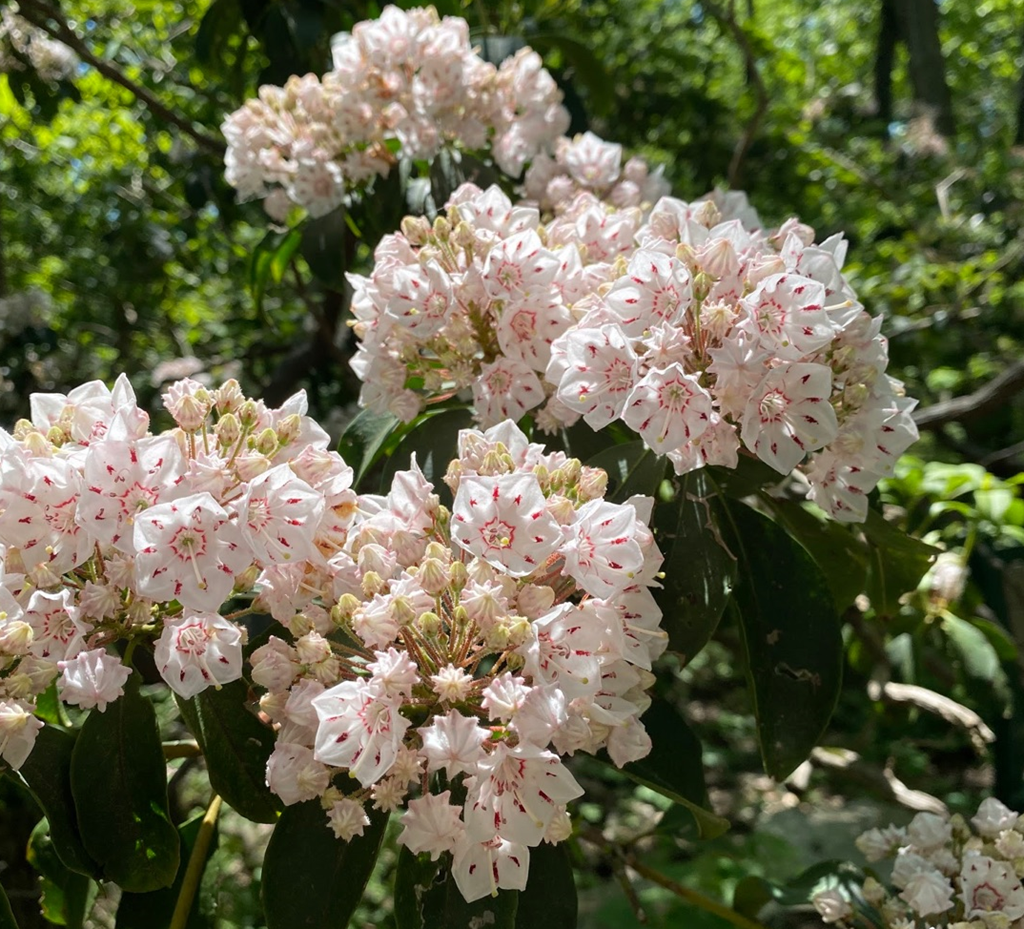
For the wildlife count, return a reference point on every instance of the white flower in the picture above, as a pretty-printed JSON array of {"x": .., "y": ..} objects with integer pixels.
[
  {"x": 481, "y": 869},
  {"x": 431, "y": 824},
  {"x": 928, "y": 893},
  {"x": 831, "y": 905},
  {"x": 929, "y": 830},
  {"x": 347, "y": 818},
  {"x": 453, "y": 742},
  {"x": 197, "y": 650},
  {"x": 993, "y": 817},
  {"x": 92, "y": 679},
  {"x": 18, "y": 731},
  {"x": 989, "y": 886}
]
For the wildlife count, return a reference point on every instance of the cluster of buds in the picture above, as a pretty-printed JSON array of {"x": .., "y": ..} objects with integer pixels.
[
  {"x": 587, "y": 163},
  {"x": 408, "y": 80},
  {"x": 463, "y": 653},
  {"x": 943, "y": 872},
  {"x": 110, "y": 534},
  {"x": 706, "y": 335},
  {"x": 51, "y": 60}
]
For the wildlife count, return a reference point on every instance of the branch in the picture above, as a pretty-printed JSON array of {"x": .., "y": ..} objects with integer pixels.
[
  {"x": 729, "y": 22},
  {"x": 988, "y": 397},
  {"x": 39, "y": 12},
  {"x": 932, "y": 702}
]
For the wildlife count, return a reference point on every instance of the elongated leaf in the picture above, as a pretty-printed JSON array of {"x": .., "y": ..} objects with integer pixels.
[
  {"x": 674, "y": 767},
  {"x": 699, "y": 569},
  {"x": 311, "y": 880},
  {"x": 144, "y": 911},
  {"x": 119, "y": 784},
  {"x": 632, "y": 469},
  {"x": 426, "y": 897},
  {"x": 587, "y": 67},
  {"x": 791, "y": 634},
  {"x": 326, "y": 243},
  {"x": 269, "y": 260},
  {"x": 364, "y": 439},
  {"x": 236, "y": 746},
  {"x": 897, "y": 563},
  {"x": 6, "y": 915},
  {"x": 66, "y": 896},
  {"x": 842, "y": 557},
  {"x": 434, "y": 440},
  {"x": 47, "y": 771},
  {"x": 550, "y": 896}
]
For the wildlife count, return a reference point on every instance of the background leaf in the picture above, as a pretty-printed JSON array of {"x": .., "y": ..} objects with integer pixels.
[
  {"x": 632, "y": 469},
  {"x": 118, "y": 780},
  {"x": 550, "y": 896},
  {"x": 364, "y": 439},
  {"x": 896, "y": 565}
]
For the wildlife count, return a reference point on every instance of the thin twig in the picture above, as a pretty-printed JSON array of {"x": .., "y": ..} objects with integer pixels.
[
  {"x": 39, "y": 13},
  {"x": 184, "y": 748},
  {"x": 196, "y": 865},
  {"x": 990, "y": 396}
]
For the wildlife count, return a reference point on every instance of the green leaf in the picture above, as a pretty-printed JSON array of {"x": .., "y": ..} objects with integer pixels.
[
  {"x": 842, "y": 557},
  {"x": 751, "y": 894},
  {"x": 426, "y": 897},
  {"x": 364, "y": 438},
  {"x": 67, "y": 896},
  {"x": 586, "y": 66},
  {"x": 791, "y": 635},
  {"x": 49, "y": 707},
  {"x": 236, "y": 746},
  {"x": 434, "y": 439},
  {"x": 6, "y": 914},
  {"x": 550, "y": 896},
  {"x": 47, "y": 771},
  {"x": 896, "y": 564},
  {"x": 144, "y": 911},
  {"x": 270, "y": 260},
  {"x": 632, "y": 469},
  {"x": 119, "y": 784},
  {"x": 325, "y": 244},
  {"x": 976, "y": 652},
  {"x": 674, "y": 767},
  {"x": 311, "y": 880},
  {"x": 699, "y": 569}
]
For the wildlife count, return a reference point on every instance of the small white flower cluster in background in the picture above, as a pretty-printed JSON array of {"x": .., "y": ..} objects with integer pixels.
[
  {"x": 705, "y": 336},
  {"x": 408, "y": 78},
  {"x": 482, "y": 645},
  {"x": 52, "y": 60},
  {"x": 943, "y": 872},
  {"x": 587, "y": 163}
]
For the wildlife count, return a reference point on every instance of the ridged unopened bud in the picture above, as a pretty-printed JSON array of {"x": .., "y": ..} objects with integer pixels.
[
  {"x": 228, "y": 397},
  {"x": 347, "y": 605},
  {"x": 55, "y": 436},
  {"x": 312, "y": 648},
  {"x": 266, "y": 442},
  {"x": 458, "y": 574},
  {"x": 497, "y": 637},
  {"x": 248, "y": 414},
  {"x": 251, "y": 465},
  {"x": 228, "y": 430},
  {"x": 416, "y": 229},
  {"x": 245, "y": 581},
  {"x": 373, "y": 584},
  {"x": 429, "y": 624},
  {"x": 15, "y": 637},
  {"x": 464, "y": 235},
  {"x": 403, "y": 610},
  {"x": 288, "y": 429},
  {"x": 442, "y": 229},
  {"x": 593, "y": 484},
  {"x": 518, "y": 631},
  {"x": 433, "y": 576}
]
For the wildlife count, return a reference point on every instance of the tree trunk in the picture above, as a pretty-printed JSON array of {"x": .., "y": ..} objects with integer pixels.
[
  {"x": 885, "y": 57},
  {"x": 927, "y": 66}
]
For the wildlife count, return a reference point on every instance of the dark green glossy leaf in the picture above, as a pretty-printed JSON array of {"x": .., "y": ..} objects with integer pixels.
[
  {"x": 269, "y": 260},
  {"x": 748, "y": 477},
  {"x": 791, "y": 634},
  {"x": 66, "y": 896},
  {"x": 426, "y": 897},
  {"x": 434, "y": 439},
  {"x": 896, "y": 565},
  {"x": 236, "y": 746},
  {"x": 674, "y": 767},
  {"x": 587, "y": 67},
  {"x": 6, "y": 915},
  {"x": 549, "y": 899},
  {"x": 632, "y": 469},
  {"x": 699, "y": 569},
  {"x": 751, "y": 894},
  {"x": 218, "y": 24},
  {"x": 326, "y": 243},
  {"x": 47, "y": 771},
  {"x": 311, "y": 880},
  {"x": 145, "y": 911},
  {"x": 119, "y": 784},
  {"x": 364, "y": 439},
  {"x": 842, "y": 557},
  {"x": 48, "y": 706}
]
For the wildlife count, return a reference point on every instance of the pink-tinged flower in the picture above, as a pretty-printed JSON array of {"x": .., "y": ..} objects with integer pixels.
[
  {"x": 481, "y": 869},
  {"x": 600, "y": 369},
  {"x": 197, "y": 650},
  {"x": 38, "y": 507},
  {"x": 347, "y": 818},
  {"x": 993, "y": 817},
  {"x": 928, "y": 893},
  {"x": 789, "y": 415},
  {"x": 656, "y": 290},
  {"x": 318, "y": 186},
  {"x": 668, "y": 408},
  {"x": 628, "y": 742},
  {"x": 422, "y": 300},
  {"x": 989, "y": 886},
  {"x": 279, "y": 516},
  {"x": 394, "y": 673},
  {"x": 503, "y": 520},
  {"x": 527, "y": 328},
  {"x": 431, "y": 824},
  {"x": 453, "y": 742},
  {"x": 274, "y": 665},
  {"x": 57, "y": 629},
  {"x": 506, "y": 389},
  {"x": 839, "y": 488},
  {"x": 517, "y": 265},
  {"x": 566, "y": 649},
  {"x": 121, "y": 480},
  {"x": 602, "y": 553},
  {"x": 18, "y": 731},
  {"x": 359, "y": 729},
  {"x": 831, "y": 905},
  {"x": 591, "y": 161},
  {"x": 517, "y": 793},
  {"x": 294, "y": 774},
  {"x": 190, "y": 551},
  {"x": 92, "y": 679},
  {"x": 787, "y": 314}
]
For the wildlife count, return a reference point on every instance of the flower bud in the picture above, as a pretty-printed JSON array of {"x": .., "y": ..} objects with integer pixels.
[
  {"x": 373, "y": 584},
  {"x": 442, "y": 229},
  {"x": 312, "y": 649},
  {"x": 416, "y": 229},
  {"x": 15, "y": 637},
  {"x": 433, "y": 576},
  {"x": 429, "y": 624},
  {"x": 266, "y": 442},
  {"x": 535, "y": 600},
  {"x": 228, "y": 430},
  {"x": 245, "y": 581},
  {"x": 459, "y": 575},
  {"x": 288, "y": 428},
  {"x": 228, "y": 397},
  {"x": 250, "y": 466}
]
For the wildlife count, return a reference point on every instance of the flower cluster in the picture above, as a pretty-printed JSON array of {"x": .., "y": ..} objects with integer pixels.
[
  {"x": 409, "y": 78},
  {"x": 464, "y": 653},
  {"x": 942, "y": 870},
  {"x": 51, "y": 60},
  {"x": 110, "y": 533},
  {"x": 706, "y": 336},
  {"x": 587, "y": 163}
]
